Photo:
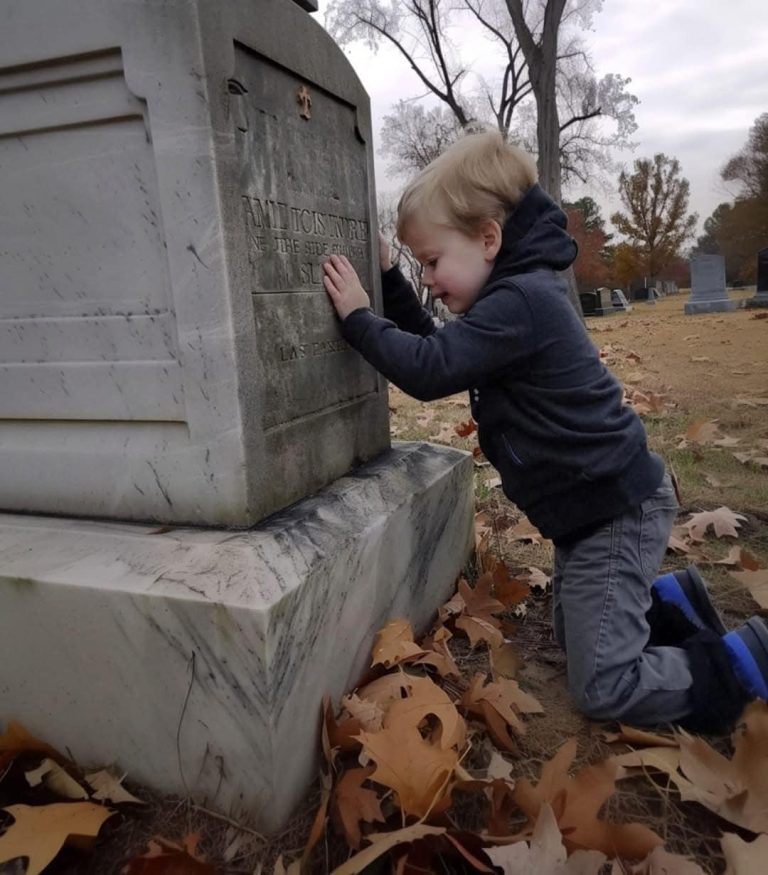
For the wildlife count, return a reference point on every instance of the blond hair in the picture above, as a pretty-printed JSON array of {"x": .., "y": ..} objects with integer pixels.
[{"x": 477, "y": 178}]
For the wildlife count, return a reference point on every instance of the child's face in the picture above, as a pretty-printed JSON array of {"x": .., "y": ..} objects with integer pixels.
[{"x": 456, "y": 265}]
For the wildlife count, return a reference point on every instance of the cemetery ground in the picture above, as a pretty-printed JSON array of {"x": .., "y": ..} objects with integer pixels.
[{"x": 479, "y": 729}]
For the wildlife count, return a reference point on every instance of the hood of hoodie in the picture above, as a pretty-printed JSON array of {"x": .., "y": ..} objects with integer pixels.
[{"x": 534, "y": 237}]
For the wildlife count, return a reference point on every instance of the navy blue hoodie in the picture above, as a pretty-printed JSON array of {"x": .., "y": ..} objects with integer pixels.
[{"x": 549, "y": 414}]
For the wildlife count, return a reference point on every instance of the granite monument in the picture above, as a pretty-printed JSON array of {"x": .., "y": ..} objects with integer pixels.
[{"x": 708, "y": 293}]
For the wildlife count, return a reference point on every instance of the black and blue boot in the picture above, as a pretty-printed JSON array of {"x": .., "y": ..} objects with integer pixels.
[
  {"x": 747, "y": 648},
  {"x": 681, "y": 607}
]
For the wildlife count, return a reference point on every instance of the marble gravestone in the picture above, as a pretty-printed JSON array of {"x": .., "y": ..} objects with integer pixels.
[
  {"x": 173, "y": 176},
  {"x": 708, "y": 294},
  {"x": 167, "y": 351}
]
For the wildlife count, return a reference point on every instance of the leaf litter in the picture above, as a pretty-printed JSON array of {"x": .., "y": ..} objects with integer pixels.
[{"x": 397, "y": 727}]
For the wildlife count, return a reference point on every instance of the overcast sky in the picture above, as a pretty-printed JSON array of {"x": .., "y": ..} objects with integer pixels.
[{"x": 699, "y": 68}]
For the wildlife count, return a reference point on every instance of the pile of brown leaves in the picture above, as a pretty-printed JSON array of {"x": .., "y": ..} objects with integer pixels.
[
  {"x": 59, "y": 805},
  {"x": 395, "y": 770}
]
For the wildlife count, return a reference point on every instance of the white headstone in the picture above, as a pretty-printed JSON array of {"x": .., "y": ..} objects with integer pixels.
[
  {"x": 173, "y": 176},
  {"x": 708, "y": 294}
]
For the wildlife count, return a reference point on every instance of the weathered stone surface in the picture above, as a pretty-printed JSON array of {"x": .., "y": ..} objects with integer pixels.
[
  {"x": 197, "y": 659},
  {"x": 708, "y": 294},
  {"x": 173, "y": 176}
]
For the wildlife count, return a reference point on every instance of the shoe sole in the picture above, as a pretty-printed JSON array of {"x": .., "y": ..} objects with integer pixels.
[{"x": 698, "y": 595}]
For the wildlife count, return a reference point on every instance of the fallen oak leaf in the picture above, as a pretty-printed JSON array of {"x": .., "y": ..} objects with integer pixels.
[
  {"x": 394, "y": 644},
  {"x": 369, "y": 714},
  {"x": 505, "y": 661},
  {"x": 744, "y": 858},
  {"x": 387, "y": 689},
  {"x": 478, "y": 629},
  {"x": 465, "y": 429},
  {"x": 477, "y": 619},
  {"x": 723, "y": 521},
  {"x": 478, "y": 600},
  {"x": 740, "y": 558},
  {"x": 318, "y": 824},
  {"x": 16, "y": 740},
  {"x": 40, "y": 832},
  {"x": 525, "y": 530},
  {"x": 416, "y": 770},
  {"x": 56, "y": 779},
  {"x": 166, "y": 857},
  {"x": 509, "y": 590},
  {"x": 661, "y": 862},
  {"x": 383, "y": 842},
  {"x": 546, "y": 854},
  {"x": 425, "y": 697},
  {"x": 293, "y": 868},
  {"x": 756, "y": 582},
  {"x": 497, "y": 727},
  {"x": 351, "y": 803},
  {"x": 537, "y": 579},
  {"x": 632, "y": 735},
  {"x": 107, "y": 788},
  {"x": 576, "y": 802},
  {"x": 735, "y": 789},
  {"x": 432, "y": 853},
  {"x": 500, "y": 705},
  {"x": 438, "y": 644},
  {"x": 702, "y": 431},
  {"x": 452, "y": 608},
  {"x": 341, "y": 735}
]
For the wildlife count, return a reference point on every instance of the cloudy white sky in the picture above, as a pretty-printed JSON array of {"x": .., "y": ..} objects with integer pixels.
[{"x": 699, "y": 68}]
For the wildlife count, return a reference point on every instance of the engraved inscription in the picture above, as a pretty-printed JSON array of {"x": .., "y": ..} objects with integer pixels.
[
  {"x": 279, "y": 228},
  {"x": 292, "y": 352},
  {"x": 303, "y": 196}
]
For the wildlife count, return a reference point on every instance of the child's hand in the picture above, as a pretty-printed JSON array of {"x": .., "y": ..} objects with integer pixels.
[
  {"x": 343, "y": 286},
  {"x": 385, "y": 253}
]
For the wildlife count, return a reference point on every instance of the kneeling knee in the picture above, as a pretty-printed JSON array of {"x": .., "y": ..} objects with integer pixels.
[{"x": 593, "y": 702}]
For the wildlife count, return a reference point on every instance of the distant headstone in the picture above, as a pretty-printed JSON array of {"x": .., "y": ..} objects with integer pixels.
[
  {"x": 761, "y": 298},
  {"x": 589, "y": 304},
  {"x": 708, "y": 294},
  {"x": 619, "y": 300},
  {"x": 167, "y": 348}
]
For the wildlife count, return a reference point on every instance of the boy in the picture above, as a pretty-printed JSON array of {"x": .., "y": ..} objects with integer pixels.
[{"x": 550, "y": 418}]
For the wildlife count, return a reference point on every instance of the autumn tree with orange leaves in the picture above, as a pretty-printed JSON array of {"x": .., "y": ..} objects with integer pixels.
[
  {"x": 656, "y": 222},
  {"x": 587, "y": 227}
]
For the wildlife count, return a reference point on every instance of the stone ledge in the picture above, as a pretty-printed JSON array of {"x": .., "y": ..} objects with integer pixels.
[
  {"x": 721, "y": 305},
  {"x": 197, "y": 659}
]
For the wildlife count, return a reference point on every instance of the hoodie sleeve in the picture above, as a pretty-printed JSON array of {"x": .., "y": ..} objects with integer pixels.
[
  {"x": 494, "y": 337},
  {"x": 402, "y": 306}
]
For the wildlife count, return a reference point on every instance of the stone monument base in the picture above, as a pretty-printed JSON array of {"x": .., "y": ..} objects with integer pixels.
[
  {"x": 196, "y": 659},
  {"x": 720, "y": 305}
]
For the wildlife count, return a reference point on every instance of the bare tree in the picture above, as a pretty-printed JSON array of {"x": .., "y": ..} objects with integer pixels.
[
  {"x": 569, "y": 99},
  {"x": 416, "y": 28},
  {"x": 413, "y": 136}
]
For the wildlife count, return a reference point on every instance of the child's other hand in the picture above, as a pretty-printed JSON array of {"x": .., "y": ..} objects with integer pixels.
[
  {"x": 385, "y": 253},
  {"x": 343, "y": 286}
]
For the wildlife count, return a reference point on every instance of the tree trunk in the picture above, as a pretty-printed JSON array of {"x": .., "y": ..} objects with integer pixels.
[{"x": 541, "y": 59}]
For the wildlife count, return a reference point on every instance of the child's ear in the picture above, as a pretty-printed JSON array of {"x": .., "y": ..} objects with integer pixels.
[{"x": 491, "y": 236}]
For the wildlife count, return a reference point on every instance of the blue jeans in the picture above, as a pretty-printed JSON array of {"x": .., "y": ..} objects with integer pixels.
[{"x": 601, "y": 589}]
